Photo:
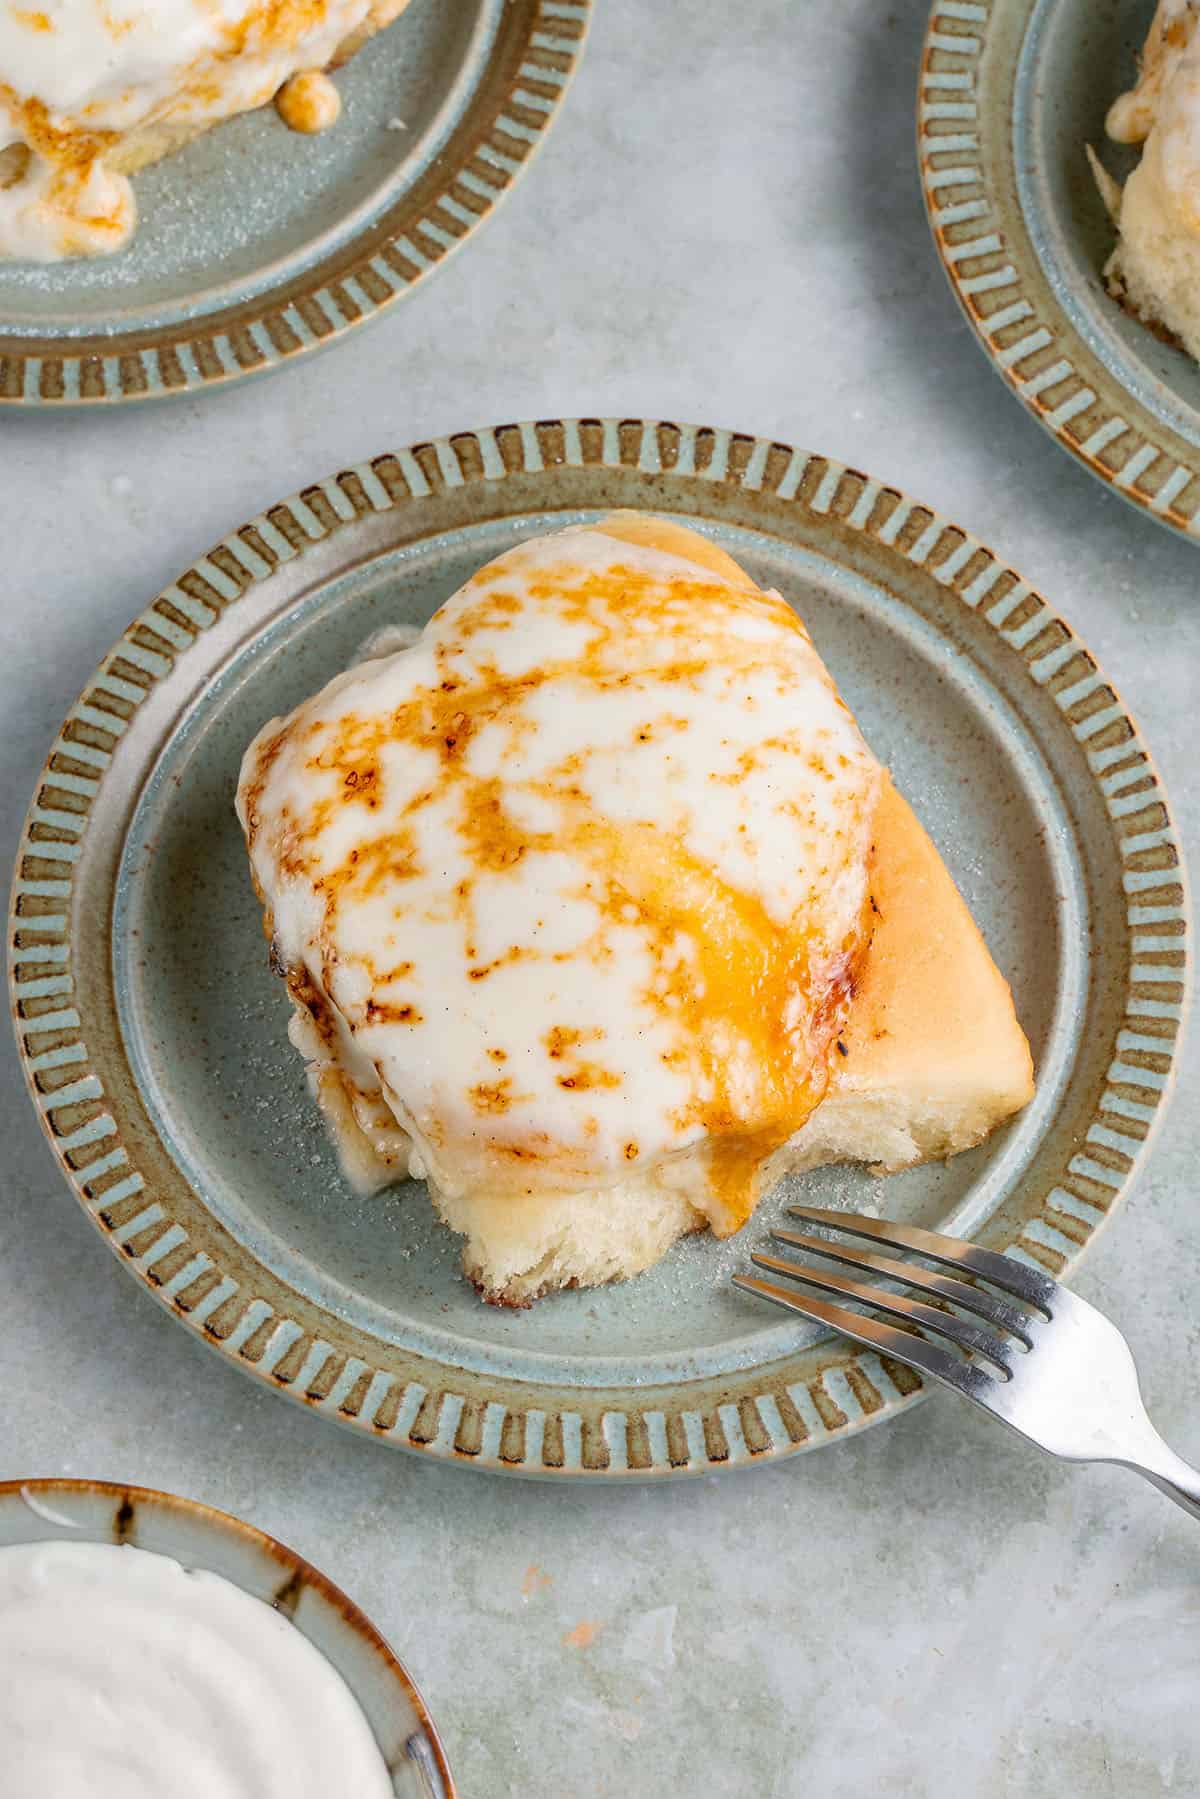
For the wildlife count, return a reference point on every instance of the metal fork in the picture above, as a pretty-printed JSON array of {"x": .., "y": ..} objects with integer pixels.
[{"x": 1032, "y": 1353}]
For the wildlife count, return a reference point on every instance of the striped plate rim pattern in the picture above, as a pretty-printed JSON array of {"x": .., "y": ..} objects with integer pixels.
[
  {"x": 534, "y": 66},
  {"x": 753, "y": 1417},
  {"x": 964, "y": 129}
]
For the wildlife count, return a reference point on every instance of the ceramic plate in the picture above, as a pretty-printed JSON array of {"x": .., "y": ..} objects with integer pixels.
[
  {"x": 257, "y": 245},
  {"x": 87, "y": 1511},
  {"x": 1011, "y": 91},
  {"x": 153, "y": 1033}
]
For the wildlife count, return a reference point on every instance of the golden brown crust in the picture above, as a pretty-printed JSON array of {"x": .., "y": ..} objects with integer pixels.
[
  {"x": 652, "y": 533},
  {"x": 928, "y": 978}
]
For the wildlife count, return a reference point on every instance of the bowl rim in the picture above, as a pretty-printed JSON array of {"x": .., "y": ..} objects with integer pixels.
[
  {"x": 698, "y": 1423},
  {"x": 213, "y": 1518},
  {"x": 967, "y": 94}
]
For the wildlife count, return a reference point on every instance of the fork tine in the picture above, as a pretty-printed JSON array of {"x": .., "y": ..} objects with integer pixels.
[
  {"x": 897, "y": 1305},
  {"x": 1002, "y": 1271},
  {"x": 885, "y": 1339},
  {"x": 973, "y": 1299}
]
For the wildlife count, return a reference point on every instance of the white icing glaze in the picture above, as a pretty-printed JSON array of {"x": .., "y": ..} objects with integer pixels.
[
  {"x": 80, "y": 78},
  {"x": 123, "y": 1676},
  {"x": 1131, "y": 116},
  {"x": 572, "y": 887},
  {"x": 57, "y": 210}
]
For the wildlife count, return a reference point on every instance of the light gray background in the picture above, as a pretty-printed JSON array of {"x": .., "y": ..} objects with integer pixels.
[{"x": 725, "y": 226}]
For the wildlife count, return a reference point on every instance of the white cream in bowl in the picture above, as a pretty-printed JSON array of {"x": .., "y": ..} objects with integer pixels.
[{"x": 125, "y": 1676}]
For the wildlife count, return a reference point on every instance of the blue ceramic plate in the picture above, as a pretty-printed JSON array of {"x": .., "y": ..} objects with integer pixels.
[
  {"x": 153, "y": 1033},
  {"x": 1011, "y": 93},
  {"x": 256, "y": 245}
]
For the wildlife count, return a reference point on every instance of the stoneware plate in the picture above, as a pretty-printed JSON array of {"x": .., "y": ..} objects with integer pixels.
[
  {"x": 1011, "y": 92},
  {"x": 257, "y": 245},
  {"x": 153, "y": 1032},
  {"x": 91, "y": 1511}
]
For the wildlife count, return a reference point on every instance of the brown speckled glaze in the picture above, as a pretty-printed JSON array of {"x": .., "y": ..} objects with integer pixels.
[{"x": 939, "y": 586}]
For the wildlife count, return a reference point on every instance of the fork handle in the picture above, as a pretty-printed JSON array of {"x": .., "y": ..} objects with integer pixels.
[{"x": 1171, "y": 1475}]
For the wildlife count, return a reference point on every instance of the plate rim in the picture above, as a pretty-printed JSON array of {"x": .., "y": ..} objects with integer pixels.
[
  {"x": 544, "y": 1429},
  {"x": 363, "y": 279},
  {"x": 126, "y": 1497},
  {"x": 970, "y": 190}
]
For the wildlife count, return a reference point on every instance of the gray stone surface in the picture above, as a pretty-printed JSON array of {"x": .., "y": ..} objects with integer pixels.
[{"x": 725, "y": 226}]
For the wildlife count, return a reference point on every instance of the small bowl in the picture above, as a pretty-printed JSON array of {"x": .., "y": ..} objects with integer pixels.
[{"x": 94, "y": 1511}]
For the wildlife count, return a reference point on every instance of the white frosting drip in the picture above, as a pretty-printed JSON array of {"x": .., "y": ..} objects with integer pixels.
[
  {"x": 52, "y": 213},
  {"x": 1131, "y": 116},
  {"x": 643, "y": 742},
  {"x": 122, "y": 1676},
  {"x": 155, "y": 68}
]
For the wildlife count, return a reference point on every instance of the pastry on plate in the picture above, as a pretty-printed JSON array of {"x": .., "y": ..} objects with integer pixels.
[
  {"x": 91, "y": 90},
  {"x": 598, "y": 914},
  {"x": 1155, "y": 269}
]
